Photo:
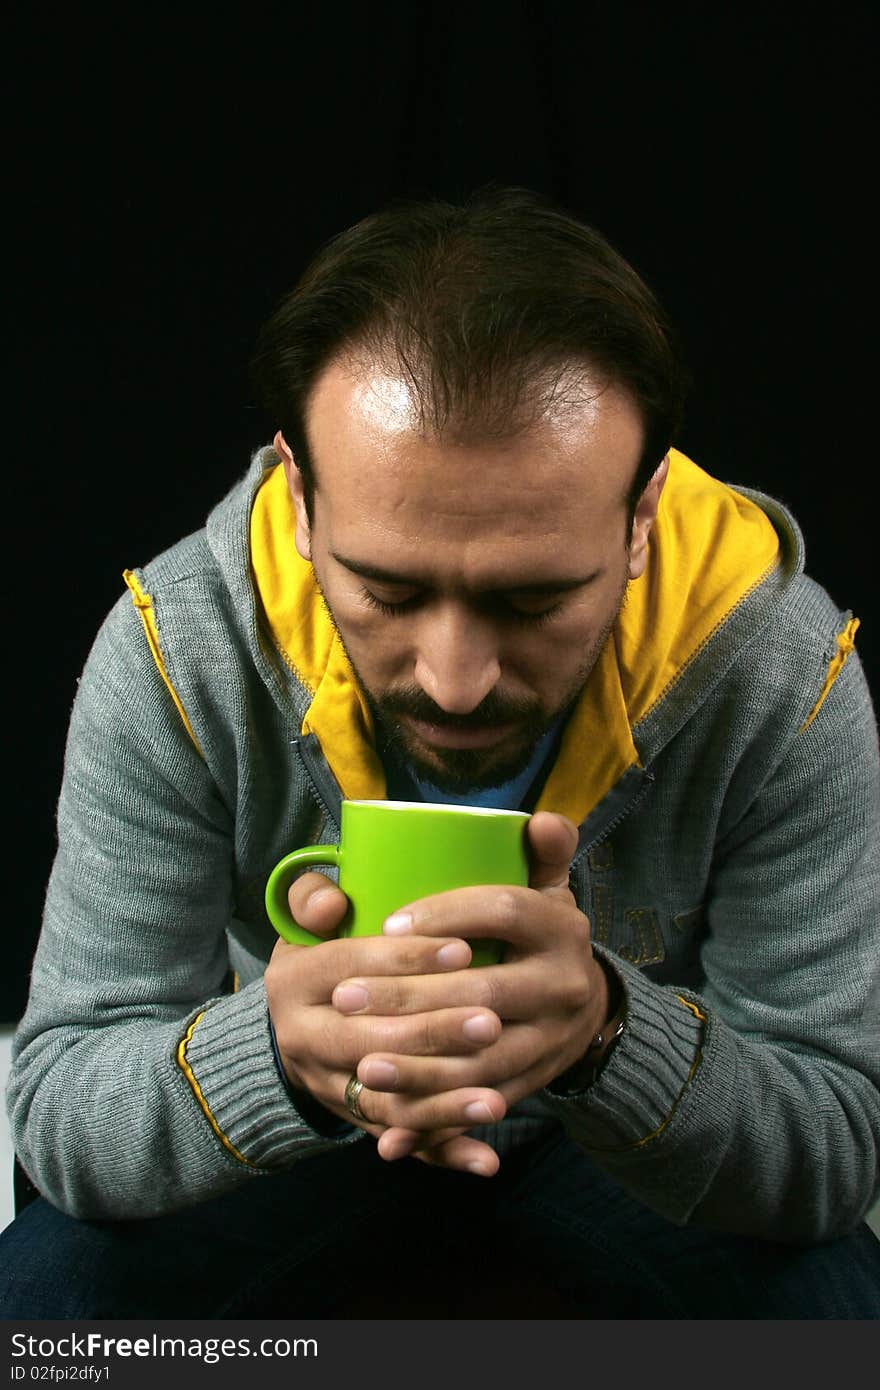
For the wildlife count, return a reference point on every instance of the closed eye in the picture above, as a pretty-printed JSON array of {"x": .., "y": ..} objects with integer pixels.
[
  {"x": 501, "y": 607},
  {"x": 535, "y": 617},
  {"x": 392, "y": 608}
]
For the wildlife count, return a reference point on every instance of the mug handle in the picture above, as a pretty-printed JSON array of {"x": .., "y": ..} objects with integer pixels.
[{"x": 279, "y": 881}]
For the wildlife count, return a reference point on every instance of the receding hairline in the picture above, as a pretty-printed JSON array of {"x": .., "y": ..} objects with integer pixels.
[
  {"x": 501, "y": 409},
  {"x": 561, "y": 391}
]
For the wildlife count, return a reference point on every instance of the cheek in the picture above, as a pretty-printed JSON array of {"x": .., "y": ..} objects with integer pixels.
[
  {"x": 563, "y": 654},
  {"x": 376, "y": 644},
  {"x": 548, "y": 660}
]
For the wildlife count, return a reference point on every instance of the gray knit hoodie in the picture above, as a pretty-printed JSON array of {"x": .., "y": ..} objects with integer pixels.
[{"x": 722, "y": 766}]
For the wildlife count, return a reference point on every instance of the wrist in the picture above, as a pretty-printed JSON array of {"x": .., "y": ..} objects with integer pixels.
[
  {"x": 584, "y": 1072},
  {"x": 308, "y": 1107}
]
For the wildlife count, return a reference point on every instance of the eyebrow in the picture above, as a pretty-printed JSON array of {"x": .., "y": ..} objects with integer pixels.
[{"x": 366, "y": 570}]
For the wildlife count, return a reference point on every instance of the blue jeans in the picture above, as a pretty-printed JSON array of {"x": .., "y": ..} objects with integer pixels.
[{"x": 347, "y": 1235}]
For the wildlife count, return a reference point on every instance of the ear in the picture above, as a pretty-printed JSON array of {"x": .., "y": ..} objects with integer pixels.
[
  {"x": 643, "y": 520},
  {"x": 303, "y": 535}
]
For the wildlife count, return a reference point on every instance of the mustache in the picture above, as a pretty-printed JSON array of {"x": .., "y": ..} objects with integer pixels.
[{"x": 493, "y": 710}]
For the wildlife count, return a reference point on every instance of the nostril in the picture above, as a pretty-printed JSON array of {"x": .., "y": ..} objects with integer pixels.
[{"x": 459, "y": 688}]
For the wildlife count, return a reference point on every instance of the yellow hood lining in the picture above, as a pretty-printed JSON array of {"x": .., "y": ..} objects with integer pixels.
[{"x": 710, "y": 547}]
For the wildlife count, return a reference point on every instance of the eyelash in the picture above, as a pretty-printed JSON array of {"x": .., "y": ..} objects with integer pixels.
[
  {"x": 391, "y": 610},
  {"x": 396, "y": 610}
]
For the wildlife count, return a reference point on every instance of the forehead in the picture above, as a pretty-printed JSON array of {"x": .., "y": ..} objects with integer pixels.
[{"x": 384, "y": 483}]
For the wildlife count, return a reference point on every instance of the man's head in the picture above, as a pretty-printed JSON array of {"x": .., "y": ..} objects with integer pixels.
[
  {"x": 483, "y": 308},
  {"x": 475, "y": 405},
  {"x": 473, "y": 584}
]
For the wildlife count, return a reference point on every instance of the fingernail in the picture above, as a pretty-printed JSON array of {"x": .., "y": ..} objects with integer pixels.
[
  {"x": 402, "y": 1148},
  {"x": 454, "y": 955},
  {"x": 478, "y": 1029},
  {"x": 481, "y": 1169},
  {"x": 479, "y": 1112},
  {"x": 350, "y": 998},
  {"x": 378, "y": 1074},
  {"x": 397, "y": 924}
]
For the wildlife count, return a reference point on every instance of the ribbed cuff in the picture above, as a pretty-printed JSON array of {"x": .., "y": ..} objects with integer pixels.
[
  {"x": 646, "y": 1076},
  {"x": 228, "y": 1060}
]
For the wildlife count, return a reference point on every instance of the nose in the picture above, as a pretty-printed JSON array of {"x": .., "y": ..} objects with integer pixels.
[{"x": 457, "y": 662}]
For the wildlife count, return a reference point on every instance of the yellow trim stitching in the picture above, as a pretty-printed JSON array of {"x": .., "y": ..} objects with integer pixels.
[
  {"x": 144, "y": 604},
  {"x": 197, "y": 1092},
  {"x": 846, "y": 642},
  {"x": 689, "y": 1004}
]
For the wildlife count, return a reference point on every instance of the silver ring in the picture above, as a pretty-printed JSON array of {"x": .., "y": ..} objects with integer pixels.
[{"x": 353, "y": 1089}]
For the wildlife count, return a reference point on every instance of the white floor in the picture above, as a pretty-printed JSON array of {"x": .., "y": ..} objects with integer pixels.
[
  {"x": 5, "y": 1139},
  {"x": 6, "y": 1210}
]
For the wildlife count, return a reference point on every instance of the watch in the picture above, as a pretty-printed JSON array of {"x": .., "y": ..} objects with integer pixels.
[{"x": 581, "y": 1076}]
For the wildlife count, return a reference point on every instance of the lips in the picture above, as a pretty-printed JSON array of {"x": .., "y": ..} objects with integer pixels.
[{"x": 452, "y": 736}]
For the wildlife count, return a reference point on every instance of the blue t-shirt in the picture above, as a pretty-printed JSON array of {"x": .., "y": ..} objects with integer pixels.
[{"x": 520, "y": 793}]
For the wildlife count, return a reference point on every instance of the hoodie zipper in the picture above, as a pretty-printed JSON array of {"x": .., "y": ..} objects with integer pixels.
[
  {"x": 322, "y": 783},
  {"x": 629, "y": 800}
]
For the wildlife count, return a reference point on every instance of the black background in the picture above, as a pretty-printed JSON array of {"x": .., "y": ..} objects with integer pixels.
[{"x": 171, "y": 171}]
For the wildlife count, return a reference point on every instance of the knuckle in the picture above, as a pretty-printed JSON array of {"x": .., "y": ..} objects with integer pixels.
[
  {"x": 434, "y": 1038},
  {"x": 414, "y": 955},
  {"x": 505, "y": 910},
  {"x": 487, "y": 989},
  {"x": 373, "y": 1109},
  {"x": 325, "y": 1038},
  {"x": 429, "y": 1034},
  {"x": 394, "y": 995},
  {"x": 574, "y": 992},
  {"x": 582, "y": 930},
  {"x": 381, "y": 1035}
]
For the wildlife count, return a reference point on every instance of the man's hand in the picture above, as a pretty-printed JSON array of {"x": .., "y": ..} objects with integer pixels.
[
  {"x": 549, "y": 992},
  {"x": 321, "y": 1045}
]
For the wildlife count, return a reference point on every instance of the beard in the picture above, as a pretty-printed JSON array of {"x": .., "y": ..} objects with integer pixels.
[{"x": 462, "y": 771}]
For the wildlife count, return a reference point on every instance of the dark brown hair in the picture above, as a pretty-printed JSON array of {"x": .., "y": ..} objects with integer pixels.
[{"x": 486, "y": 306}]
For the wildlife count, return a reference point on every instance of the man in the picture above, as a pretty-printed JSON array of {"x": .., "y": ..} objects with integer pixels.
[{"x": 471, "y": 567}]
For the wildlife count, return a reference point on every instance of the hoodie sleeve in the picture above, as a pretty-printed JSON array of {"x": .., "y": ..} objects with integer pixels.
[
  {"x": 753, "y": 1105},
  {"x": 139, "y": 1081}
]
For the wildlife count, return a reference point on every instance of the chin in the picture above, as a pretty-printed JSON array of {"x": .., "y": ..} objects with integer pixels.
[{"x": 460, "y": 773}]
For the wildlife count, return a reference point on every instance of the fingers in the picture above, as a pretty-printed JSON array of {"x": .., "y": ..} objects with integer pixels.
[
  {"x": 553, "y": 841},
  {"x": 510, "y": 1055},
  {"x": 427, "y": 1115},
  {"x": 322, "y": 1050},
  {"x": 317, "y": 904},
  {"x": 465, "y": 1154},
  {"x": 509, "y": 991},
  {"x": 311, "y": 973},
  {"x": 437, "y": 1033},
  {"x": 409, "y": 994},
  {"x": 524, "y": 919},
  {"x": 459, "y": 1151},
  {"x": 324, "y": 1039},
  {"x": 422, "y": 1032}
]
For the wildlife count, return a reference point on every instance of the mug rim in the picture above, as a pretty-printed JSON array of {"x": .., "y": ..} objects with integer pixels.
[{"x": 435, "y": 806}]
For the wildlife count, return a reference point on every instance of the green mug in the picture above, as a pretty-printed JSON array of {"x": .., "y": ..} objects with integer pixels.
[{"x": 392, "y": 852}]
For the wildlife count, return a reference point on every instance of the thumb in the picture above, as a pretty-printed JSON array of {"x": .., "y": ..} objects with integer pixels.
[
  {"x": 317, "y": 904},
  {"x": 553, "y": 840}
]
